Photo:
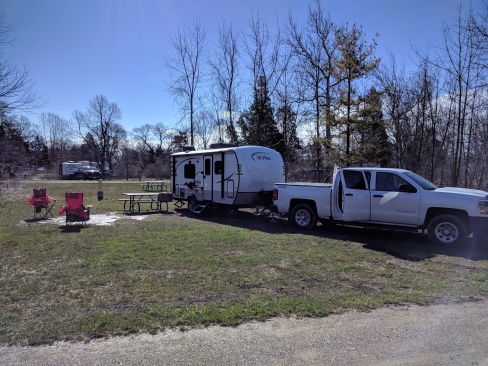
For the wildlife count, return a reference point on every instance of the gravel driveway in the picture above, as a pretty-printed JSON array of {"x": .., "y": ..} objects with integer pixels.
[{"x": 453, "y": 334}]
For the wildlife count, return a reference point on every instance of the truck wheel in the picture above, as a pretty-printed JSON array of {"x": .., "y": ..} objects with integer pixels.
[
  {"x": 303, "y": 216},
  {"x": 447, "y": 230}
]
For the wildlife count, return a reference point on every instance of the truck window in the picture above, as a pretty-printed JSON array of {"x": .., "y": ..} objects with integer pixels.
[
  {"x": 389, "y": 182},
  {"x": 421, "y": 181},
  {"x": 189, "y": 171},
  {"x": 354, "y": 179}
]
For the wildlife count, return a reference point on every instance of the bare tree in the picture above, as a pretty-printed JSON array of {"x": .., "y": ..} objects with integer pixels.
[
  {"x": 144, "y": 136},
  {"x": 145, "y": 146},
  {"x": 397, "y": 104},
  {"x": 152, "y": 149},
  {"x": 56, "y": 132},
  {"x": 225, "y": 70},
  {"x": 16, "y": 86},
  {"x": 129, "y": 163},
  {"x": 263, "y": 49},
  {"x": 215, "y": 109},
  {"x": 99, "y": 129},
  {"x": 478, "y": 23},
  {"x": 266, "y": 64},
  {"x": 205, "y": 128},
  {"x": 460, "y": 61},
  {"x": 163, "y": 136},
  {"x": 118, "y": 135},
  {"x": 288, "y": 118},
  {"x": 315, "y": 48},
  {"x": 186, "y": 68}
]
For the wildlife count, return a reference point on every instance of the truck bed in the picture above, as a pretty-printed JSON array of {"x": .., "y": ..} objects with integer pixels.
[
  {"x": 316, "y": 195},
  {"x": 306, "y": 184}
]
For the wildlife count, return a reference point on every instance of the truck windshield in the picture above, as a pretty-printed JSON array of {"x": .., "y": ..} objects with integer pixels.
[{"x": 421, "y": 181}]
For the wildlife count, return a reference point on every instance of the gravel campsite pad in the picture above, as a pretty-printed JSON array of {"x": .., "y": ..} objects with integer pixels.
[{"x": 444, "y": 334}]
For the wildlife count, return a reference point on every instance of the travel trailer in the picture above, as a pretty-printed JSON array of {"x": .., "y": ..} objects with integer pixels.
[{"x": 234, "y": 176}]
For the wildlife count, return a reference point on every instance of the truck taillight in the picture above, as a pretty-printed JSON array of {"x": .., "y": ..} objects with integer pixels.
[{"x": 275, "y": 194}]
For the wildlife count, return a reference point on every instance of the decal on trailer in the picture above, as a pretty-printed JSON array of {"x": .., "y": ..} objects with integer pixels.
[{"x": 260, "y": 156}]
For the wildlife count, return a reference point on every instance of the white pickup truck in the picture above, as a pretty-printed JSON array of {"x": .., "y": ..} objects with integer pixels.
[{"x": 390, "y": 197}]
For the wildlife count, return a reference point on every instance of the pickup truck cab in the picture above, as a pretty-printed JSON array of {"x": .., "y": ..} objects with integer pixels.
[{"x": 388, "y": 197}]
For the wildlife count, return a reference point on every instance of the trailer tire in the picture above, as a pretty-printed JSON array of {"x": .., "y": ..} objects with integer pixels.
[
  {"x": 447, "y": 230},
  {"x": 303, "y": 216},
  {"x": 192, "y": 202}
]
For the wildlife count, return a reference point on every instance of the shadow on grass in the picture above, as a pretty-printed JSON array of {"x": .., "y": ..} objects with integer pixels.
[
  {"x": 407, "y": 245},
  {"x": 36, "y": 219},
  {"x": 149, "y": 213},
  {"x": 73, "y": 228},
  {"x": 418, "y": 251}
]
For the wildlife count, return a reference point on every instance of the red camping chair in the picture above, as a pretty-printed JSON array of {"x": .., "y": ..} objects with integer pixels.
[
  {"x": 43, "y": 204},
  {"x": 74, "y": 209}
]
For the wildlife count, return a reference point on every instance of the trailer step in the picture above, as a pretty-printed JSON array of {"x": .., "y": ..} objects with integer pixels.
[{"x": 201, "y": 207}]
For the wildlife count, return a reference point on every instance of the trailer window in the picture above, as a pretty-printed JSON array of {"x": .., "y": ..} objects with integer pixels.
[
  {"x": 208, "y": 166},
  {"x": 218, "y": 167},
  {"x": 190, "y": 171}
]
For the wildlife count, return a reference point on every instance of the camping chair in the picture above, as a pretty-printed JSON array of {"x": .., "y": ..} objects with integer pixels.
[
  {"x": 74, "y": 209},
  {"x": 43, "y": 204}
]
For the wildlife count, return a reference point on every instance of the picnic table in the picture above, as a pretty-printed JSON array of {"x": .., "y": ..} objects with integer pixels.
[
  {"x": 154, "y": 185},
  {"x": 154, "y": 201}
]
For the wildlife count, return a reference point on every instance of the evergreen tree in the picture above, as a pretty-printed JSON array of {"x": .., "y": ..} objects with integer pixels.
[
  {"x": 39, "y": 152},
  {"x": 372, "y": 139},
  {"x": 258, "y": 126},
  {"x": 356, "y": 61},
  {"x": 179, "y": 141},
  {"x": 287, "y": 122},
  {"x": 14, "y": 147}
]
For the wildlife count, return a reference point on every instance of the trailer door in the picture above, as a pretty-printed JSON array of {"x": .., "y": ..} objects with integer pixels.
[{"x": 207, "y": 178}]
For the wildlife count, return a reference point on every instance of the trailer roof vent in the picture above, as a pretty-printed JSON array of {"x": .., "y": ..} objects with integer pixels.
[{"x": 188, "y": 148}]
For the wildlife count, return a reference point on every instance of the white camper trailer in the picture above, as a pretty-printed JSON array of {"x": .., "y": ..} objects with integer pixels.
[
  {"x": 235, "y": 176},
  {"x": 76, "y": 169},
  {"x": 70, "y": 170}
]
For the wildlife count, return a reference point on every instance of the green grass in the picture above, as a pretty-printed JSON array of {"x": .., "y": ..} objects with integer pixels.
[{"x": 175, "y": 270}]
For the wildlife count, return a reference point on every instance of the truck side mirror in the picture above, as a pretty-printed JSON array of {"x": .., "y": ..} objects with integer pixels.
[{"x": 407, "y": 188}]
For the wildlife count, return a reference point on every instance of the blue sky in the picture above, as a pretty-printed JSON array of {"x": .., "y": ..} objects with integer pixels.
[{"x": 76, "y": 49}]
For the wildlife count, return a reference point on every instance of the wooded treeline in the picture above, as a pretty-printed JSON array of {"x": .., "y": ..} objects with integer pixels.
[{"x": 316, "y": 92}]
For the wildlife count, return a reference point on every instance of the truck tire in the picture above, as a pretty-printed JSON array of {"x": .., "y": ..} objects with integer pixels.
[
  {"x": 303, "y": 216},
  {"x": 447, "y": 230}
]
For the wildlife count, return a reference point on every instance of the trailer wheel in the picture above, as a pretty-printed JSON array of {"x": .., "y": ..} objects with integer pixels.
[
  {"x": 303, "y": 216},
  {"x": 192, "y": 202},
  {"x": 447, "y": 230}
]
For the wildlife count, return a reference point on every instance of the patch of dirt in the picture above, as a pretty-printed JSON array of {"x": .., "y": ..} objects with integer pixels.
[{"x": 97, "y": 220}]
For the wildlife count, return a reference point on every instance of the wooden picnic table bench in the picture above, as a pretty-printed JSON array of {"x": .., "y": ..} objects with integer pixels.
[
  {"x": 155, "y": 200},
  {"x": 154, "y": 185}
]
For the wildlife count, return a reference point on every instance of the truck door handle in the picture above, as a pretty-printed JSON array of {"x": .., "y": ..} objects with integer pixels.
[
  {"x": 378, "y": 195},
  {"x": 349, "y": 194}
]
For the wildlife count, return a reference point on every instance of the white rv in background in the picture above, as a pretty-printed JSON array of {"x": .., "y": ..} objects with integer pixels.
[
  {"x": 75, "y": 169},
  {"x": 235, "y": 176}
]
